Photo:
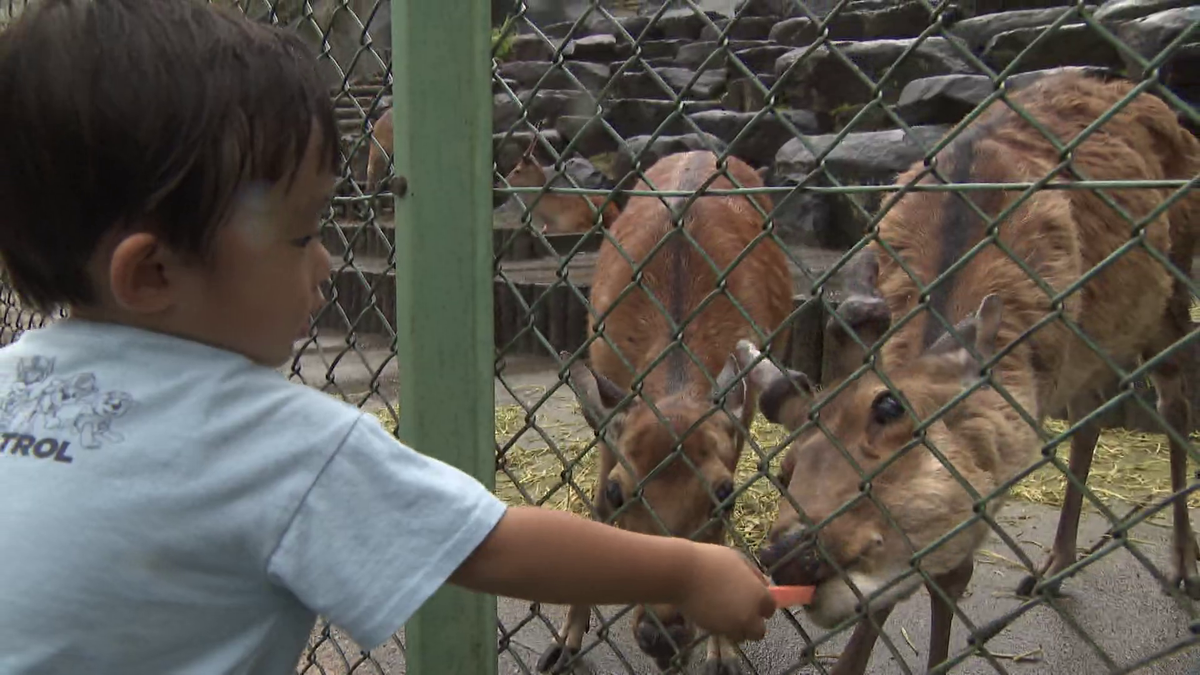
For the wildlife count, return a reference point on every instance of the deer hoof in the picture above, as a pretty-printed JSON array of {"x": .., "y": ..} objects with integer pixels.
[
  {"x": 723, "y": 667},
  {"x": 556, "y": 660},
  {"x": 1190, "y": 586},
  {"x": 1025, "y": 588}
]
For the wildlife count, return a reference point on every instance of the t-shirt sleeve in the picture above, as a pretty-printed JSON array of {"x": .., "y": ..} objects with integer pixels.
[{"x": 381, "y": 529}]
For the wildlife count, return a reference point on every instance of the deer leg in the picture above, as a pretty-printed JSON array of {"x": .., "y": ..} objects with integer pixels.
[
  {"x": 557, "y": 658},
  {"x": 857, "y": 652},
  {"x": 953, "y": 584},
  {"x": 722, "y": 657},
  {"x": 1083, "y": 446},
  {"x": 1175, "y": 409}
]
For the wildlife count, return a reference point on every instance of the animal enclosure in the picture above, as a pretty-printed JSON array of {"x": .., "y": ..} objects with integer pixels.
[{"x": 852, "y": 286}]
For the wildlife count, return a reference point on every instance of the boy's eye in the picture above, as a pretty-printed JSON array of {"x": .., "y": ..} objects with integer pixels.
[{"x": 304, "y": 241}]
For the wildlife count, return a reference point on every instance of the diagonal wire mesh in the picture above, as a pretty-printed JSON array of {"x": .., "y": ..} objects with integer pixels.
[{"x": 828, "y": 101}]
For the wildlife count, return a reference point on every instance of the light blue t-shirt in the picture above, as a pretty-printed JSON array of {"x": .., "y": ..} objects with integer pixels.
[{"x": 168, "y": 507}]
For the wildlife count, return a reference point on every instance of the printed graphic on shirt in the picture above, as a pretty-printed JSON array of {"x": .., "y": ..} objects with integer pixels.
[{"x": 42, "y": 416}]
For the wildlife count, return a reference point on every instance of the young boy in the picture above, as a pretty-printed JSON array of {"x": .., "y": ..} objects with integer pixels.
[{"x": 171, "y": 503}]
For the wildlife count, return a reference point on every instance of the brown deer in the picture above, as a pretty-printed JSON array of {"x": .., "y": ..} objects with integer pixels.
[
  {"x": 691, "y": 489},
  {"x": 380, "y": 149},
  {"x": 1131, "y": 309},
  {"x": 560, "y": 214}
]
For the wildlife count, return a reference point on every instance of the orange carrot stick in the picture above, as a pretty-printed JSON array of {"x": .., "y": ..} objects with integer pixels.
[{"x": 791, "y": 596}]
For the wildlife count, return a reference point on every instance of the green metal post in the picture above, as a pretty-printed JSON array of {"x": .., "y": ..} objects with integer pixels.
[{"x": 441, "y": 62}]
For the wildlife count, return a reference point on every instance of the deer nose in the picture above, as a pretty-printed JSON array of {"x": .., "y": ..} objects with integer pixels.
[{"x": 793, "y": 559}]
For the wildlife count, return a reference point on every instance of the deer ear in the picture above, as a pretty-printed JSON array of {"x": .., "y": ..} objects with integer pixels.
[
  {"x": 980, "y": 330},
  {"x": 735, "y": 398},
  {"x": 784, "y": 396},
  {"x": 863, "y": 311}
]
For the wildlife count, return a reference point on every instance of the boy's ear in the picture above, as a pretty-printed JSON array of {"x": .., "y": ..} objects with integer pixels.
[{"x": 139, "y": 274}]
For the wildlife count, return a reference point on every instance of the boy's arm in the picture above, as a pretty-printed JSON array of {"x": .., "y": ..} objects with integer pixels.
[
  {"x": 547, "y": 556},
  {"x": 558, "y": 558}
]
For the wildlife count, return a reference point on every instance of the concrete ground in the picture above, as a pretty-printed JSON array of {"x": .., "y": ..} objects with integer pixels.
[{"x": 1115, "y": 601}]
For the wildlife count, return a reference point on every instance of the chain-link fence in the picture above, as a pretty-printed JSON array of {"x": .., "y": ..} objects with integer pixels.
[
  {"x": 609, "y": 256},
  {"x": 872, "y": 454}
]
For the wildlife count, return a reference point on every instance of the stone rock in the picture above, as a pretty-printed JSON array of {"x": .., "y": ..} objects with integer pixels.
[
  {"x": 982, "y": 7},
  {"x": 593, "y": 76},
  {"x": 746, "y": 94},
  {"x": 587, "y": 133},
  {"x": 873, "y": 157},
  {"x": 708, "y": 85},
  {"x": 507, "y": 149},
  {"x": 899, "y": 20},
  {"x": 683, "y": 23},
  {"x": 1076, "y": 45},
  {"x": 1115, "y": 11},
  {"x": 694, "y": 54},
  {"x": 547, "y": 12},
  {"x": 746, "y": 28},
  {"x": 759, "y": 146},
  {"x": 870, "y": 158},
  {"x": 795, "y": 32},
  {"x": 946, "y": 99},
  {"x": 724, "y": 7},
  {"x": 635, "y": 26},
  {"x": 531, "y": 47},
  {"x": 627, "y": 117},
  {"x": 803, "y": 218},
  {"x": 502, "y": 85},
  {"x": 1148, "y": 36},
  {"x": 760, "y": 60},
  {"x": 655, "y": 49},
  {"x": 942, "y": 99},
  {"x": 636, "y": 117},
  {"x": 594, "y": 24},
  {"x": 979, "y": 30},
  {"x": 648, "y": 152},
  {"x": 594, "y": 48},
  {"x": 547, "y": 105},
  {"x": 505, "y": 112},
  {"x": 821, "y": 82},
  {"x": 783, "y": 8}
]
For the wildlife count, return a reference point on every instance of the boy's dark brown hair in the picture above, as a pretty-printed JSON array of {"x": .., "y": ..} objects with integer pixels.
[{"x": 142, "y": 115}]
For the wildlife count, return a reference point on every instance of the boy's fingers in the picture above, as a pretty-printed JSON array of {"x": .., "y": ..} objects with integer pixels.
[{"x": 766, "y": 605}]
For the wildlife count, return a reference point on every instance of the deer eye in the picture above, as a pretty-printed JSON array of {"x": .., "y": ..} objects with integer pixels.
[
  {"x": 724, "y": 491},
  {"x": 613, "y": 494},
  {"x": 886, "y": 408}
]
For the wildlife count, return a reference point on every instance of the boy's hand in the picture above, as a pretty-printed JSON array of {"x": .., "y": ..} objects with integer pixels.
[{"x": 725, "y": 595}]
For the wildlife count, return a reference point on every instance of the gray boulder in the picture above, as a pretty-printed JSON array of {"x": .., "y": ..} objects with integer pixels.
[
  {"x": 745, "y": 28},
  {"x": 946, "y": 99},
  {"x": 1115, "y": 11},
  {"x": 1149, "y": 35},
  {"x": 708, "y": 85},
  {"x": 531, "y": 47},
  {"x": 942, "y": 99},
  {"x": 760, "y": 144},
  {"x": 822, "y": 82},
  {"x": 695, "y": 54},
  {"x": 593, "y": 76},
  {"x": 595, "y": 48},
  {"x": 648, "y": 152},
  {"x": 898, "y": 20},
  {"x": 1075, "y": 45},
  {"x": 795, "y": 32},
  {"x": 870, "y": 158},
  {"x": 979, "y": 30},
  {"x": 507, "y": 149}
]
